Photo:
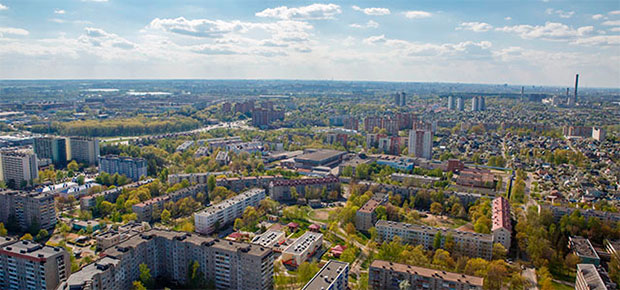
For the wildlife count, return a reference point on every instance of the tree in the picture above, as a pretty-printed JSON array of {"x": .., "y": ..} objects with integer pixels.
[
  {"x": 499, "y": 252},
  {"x": 73, "y": 166},
  {"x": 27, "y": 236},
  {"x": 347, "y": 171},
  {"x": 80, "y": 180},
  {"x": 145, "y": 275},
  {"x": 476, "y": 267},
  {"x": 306, "y": 271},
  {"x": 496, "y": 274},
  {"x": 449, "y": 243},
  {"x": 42, "y": 234},
  {"x": 436, "y": 208},
  {"x": 106, "y": 208},
  {"x": 437, "y": 240},
  {"x": 165, "y": 216},
  {"x": 442, "y": 259},
  {"x": 137, "y": 285},
  {"x": 3, "y": 230},
  {"x": 404, "y": 285},
  {"x": 211, "y": 182},
  {"x": 196, "y": 278}
]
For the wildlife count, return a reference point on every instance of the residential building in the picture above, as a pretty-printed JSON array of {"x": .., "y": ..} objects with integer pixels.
[
  {"x": 583, "y": 249},
  {"x": 52, "y": 148},
  {"x": 84, "y": 150},
  {"x": 270, "y": 239},
  {"x": 133, "y": 168},
  {"x": 384, "y": 275},
  {"x": 334, "y": 275},
  {"x": 577, "y": 131},
  {"x": 29, "y": 265},
  {"x": 460, "y": 105},
  {"x": 169, "y": 255},
  {"x": 18, "y": 169},
  {"x": 502, "y": 226},
  {"x": 559, "y": 211},
  {"x": 281, "y": 189},
  {"x": 225, "y": 212},
  {"x": 302, "y": 249},
  {"x": 351, "y": 123},
  {"x": 414, "y": 179},
  {"x": 366, "y": 216},
  {"x": 262, "y": 117},
  {"x": 245, "y": 107},
  {"x": 591, "y": 277},
  {"x": 476, "y": 177},
  {"x": 451, "y": 103},
  {"x": 421, "y": 142},
  {"x": 144, "y": 210},
  {"x": 599, "y": 134},
  {"x": 238, "y": 184},
  {"x": 110, "y": 195},
  {"x": 184, "y": 146},
  {"x": 28, "y": 207},
  {"x": 113, "y": 237},
  {"x": 469, "y": 244},
  {"x": 222, "y": 158},
  {"x": 194, "y": 178}
]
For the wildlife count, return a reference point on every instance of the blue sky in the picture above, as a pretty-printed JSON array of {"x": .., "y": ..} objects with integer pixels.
[{"x": 515, "y": 42}]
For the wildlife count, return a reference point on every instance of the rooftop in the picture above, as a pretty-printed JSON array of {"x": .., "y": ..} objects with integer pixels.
[
  {"x": 268, "y": 238},
  {"x": 433, "y": 230},
  {"x": 501, "y": 214},
  {"x": 231, "y": 201},
  {"x": 30, "y": 250},
  {"x": 582, "y": 247},
  {"x": 593, "y": 278},
  {"x": 369, "y": 206},
  {"x": 319, "y": 155},
  {"x": 426, "y": 272},
  {"x": 303, "y": 242},
  {"x": 327, "y": 275}
]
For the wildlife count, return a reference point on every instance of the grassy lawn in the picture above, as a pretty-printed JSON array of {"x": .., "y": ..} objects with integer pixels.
[{"x": 559, "y": 286}]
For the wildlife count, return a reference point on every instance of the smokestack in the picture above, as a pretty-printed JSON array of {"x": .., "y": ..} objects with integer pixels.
[{"x": 576, "y": 84}]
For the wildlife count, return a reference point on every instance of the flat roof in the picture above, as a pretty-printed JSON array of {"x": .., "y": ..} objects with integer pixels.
[
  {"x": 327, "y": 275},
  {"x": 303, "y": 242},
  {"x": 268, "y": 238},
  {"x": 427, "y": 272},
  {"x": 582, "y": 247},
  {"x": 319, "y": 155},
  {"x": 30, "y": 249},
  {"x": 592, "y": 277},
  {"x": 421, "y": 228},
  {"x": 369, "y": 206},
  {"x": 231, "y": 201}
]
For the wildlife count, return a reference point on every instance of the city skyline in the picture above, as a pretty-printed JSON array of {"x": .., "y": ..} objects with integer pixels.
[{"x": 534, "y": 42}]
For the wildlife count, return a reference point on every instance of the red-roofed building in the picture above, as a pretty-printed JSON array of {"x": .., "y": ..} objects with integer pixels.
[
  {"x": 337, "y": 250},
  {"x": 292, "y": 226},
  {"x": 314, "y": 228},
  {"x": 502, "y": 226}
]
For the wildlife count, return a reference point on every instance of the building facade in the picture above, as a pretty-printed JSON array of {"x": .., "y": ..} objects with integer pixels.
[
  {"x": 281, "y": 189},
  {"x": 227, "y": 211},
  {"x": 84, "y": 150},
  {"x": 502, "y": 226},
  {"x": 28, "y": 207},
  {"x": 302, "y": 249},
  {"x": 366, "y": 216},
  {"x": 421, "y": 143},
  {"x": 334, "y": 275},
  {"x": 591, "y": 277},
  {"x": 18, "y": 168},
  {"x": 133, "y": 168},
  {"x": 384, "y": 275},
  {"x": 52, "y": 148}
]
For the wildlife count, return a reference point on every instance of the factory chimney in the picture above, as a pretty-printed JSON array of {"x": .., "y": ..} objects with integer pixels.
[{"x": 576, "y": 84}]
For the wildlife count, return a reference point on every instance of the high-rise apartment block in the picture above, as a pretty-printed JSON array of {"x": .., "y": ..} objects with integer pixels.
[
  {"x": 502, "y": 226},
  {"x": 451, "y": 103},
  {"x": 400, "y": 99},
  {"x": 460, "y": 105},
  {"x": 169, "y": 256},
  {"x": 478, "y": 104},
  {"x": 28, "y": 208},
  {"x": 421, "y": 141},
  {"x": 28, "y": 265},
  {"x": 333, "y": 276},
  {"x": 52, "y": 148},
  {"x": 133, "y": 168},
  {"x": 18, "y": 169},
  {"x": 84, "y": 150},
  {"x": 384, "y": 275},
  {"x": 227, "y": 211},
  {"x": 262, "y": 117},
  {"x": 469, "y": 244}
]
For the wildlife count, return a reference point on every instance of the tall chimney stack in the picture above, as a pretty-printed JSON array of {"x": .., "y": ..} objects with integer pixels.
[{"x": 576, "y": 84}]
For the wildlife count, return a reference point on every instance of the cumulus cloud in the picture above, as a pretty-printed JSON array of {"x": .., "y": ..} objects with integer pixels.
[
  {"x": 598, "y": 17},
  {"x": 424, "y": 50},
  {"x": 475, "y": 26},
  {"x": 507, "y": 18},
  {"x": 549, "y": 31},
  {"x": 311, "y": 12},
  {"x": 599, "y": 40},
  {"x": 611, "y": 23},
  {"x": 417, "y": 14},
  {"x": 369, "y": 24},
  {"x": 196, "y": 27},
  {"x": 2, "y": 7},
  {"x": 59, "y": 11},
  {"x": 13, "y": 31},
  {"x": 561, "y": 13},
  {"x": 615, "y": 12},
  {"x": 376, "y": 11},
  {"x": 102, "y": 39}
]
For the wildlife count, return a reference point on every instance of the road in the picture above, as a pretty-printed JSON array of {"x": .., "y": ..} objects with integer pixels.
[{"x": 530, "y": 279}]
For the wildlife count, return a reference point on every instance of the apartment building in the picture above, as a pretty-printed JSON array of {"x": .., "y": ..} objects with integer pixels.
[
  {"x": 227, "y": 211},
  {"x": 18, "y": 169},
  {"x": 237, "y": 184},
  {"x": 333, "y": 276},
  {"x": 583, "y": 249},
  {"x": 302, "y": 249},
  {"x": 27, "y": 207},
  {"x": 591, "y": 277},
  {"x": 168, "y": 255},
  {"x": 144, "y": 210},
  {"x": 502, "y": 226},
  {"x": 29, "y": 265},
  {"x": 281, "y": 189},
  {"x": 110, "y": 195},
  {"x": 384, "y": 275},
  {"x": 51, "y": 148},
  {"x": 194, "y": 178},
  {"x": 84, "y": 150},
  {"x": 421, "y": 142},
  {"x": 469, "y": 244},
  {"x": 133, "y": 168},
  {"x": 366, "y": 216},
  {"x": 559, "y": 211},
  {"x": 113, "y": 237}
]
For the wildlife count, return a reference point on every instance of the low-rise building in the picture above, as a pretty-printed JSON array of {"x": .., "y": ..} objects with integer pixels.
[
  {"x": 469, "y": 244},
  {"x": 366, "y": 216},
  {"x": 583, "y": 249},
  {"x": 414, "y": 179},
  {"x": 237, "y": 184},
  {"x": 144, "y": 210},
  {"x": 29, "y": 265},
  {"x": 319, "y": 157},
  {"x": 225, "y": 212},
  {"x": 384, "y": 275},
  {"x": 169, "y": 256},
  {"x": 193, "y": 178},
  {"x": 501, "y": 224},
  {"x": 333, "y": 276},
  {"x": 270, "y": 239},
  {"x": 302, "y": 249},
  {"x": 559, "y": 211},
  {"x": 591, "y": 277},
  {"x": 281, "y": 189},
  {"x": 475, "y": 177}
]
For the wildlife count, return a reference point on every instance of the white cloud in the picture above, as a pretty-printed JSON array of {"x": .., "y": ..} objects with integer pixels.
[
  {"x": 599, "y": 40},
  {"x": 615, "y": 29},
  {"x": 549, "y": 31},
  {"x": 311, "y": 12},
  {"x": 377, "y": 11},
  {"x": 507, "y": 18},
  {"x": 2, "y": 7},
  {"x": 598, "y": 17},
  {"x": 196, "y": 27},
  {"x": 417, "y": 14},
  {"x": 59, "y": 11},
  {"x": 369, "y": 24},
  {"x": 475, "y": 26},
  {"x": 561, "y": 13},
  {"x": 611, "y": 23},
  {"x": 13, "y": 31},
  {"x": 615, "y": 12},
  {"x": 405, "y": 49},
  {"x": 100, "y": 38}
]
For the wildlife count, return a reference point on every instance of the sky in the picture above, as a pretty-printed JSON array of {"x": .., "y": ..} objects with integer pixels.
[{"x": 520, "y": 42}]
